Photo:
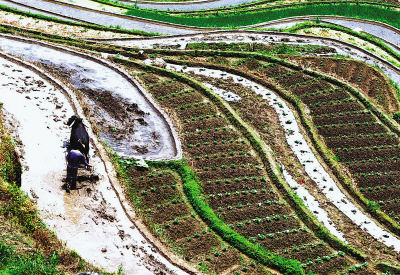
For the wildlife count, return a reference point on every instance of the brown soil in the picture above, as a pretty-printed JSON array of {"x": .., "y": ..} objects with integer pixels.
[
  {"x": 169, "y": 211},
  {"x": 359, "y": 142},
  {"x": 350, "y": 131},
  {"x": 214, "y": 175},
  {"x": 230, "y": 173},
  {"x": 359, "y": 155},
  {"x": 125, "y": 115},
  {"x": 201, "y": 110},
  {"x": 201, "y": 137},
  {"x": 326, "y": 97},
  {"x": 167, "y": 88},
  {"x": 224, "y": 260},
  {"x": 205, "y": 124},
  {"x": 183, "y": 99},
  {"x": 344, "y": 118},
  {"x": 267, "y": 227},
  {"x": 181, "y": 228},
  {"x": 241, "y": 199},
  {"x": 370, "y": 81},
  {"x": 275, "y": 70},
  {"x": 223, "y": 187},
  {"x": 219, "y": 162},
  {"x": 216, "y": 149},
  {"x": 313, "y": 86},
  {"x": 334, "y": 108},
  {"x": 283, "y": 240},
  {"x": 197, "y": 246},
  {"x": 253, "y": 211}
]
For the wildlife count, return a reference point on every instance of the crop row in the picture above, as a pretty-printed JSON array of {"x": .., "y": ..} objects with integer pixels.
[
  {"x": 214, "y": 142},
  {"x": 343, "y": 119},
  {"x": 245, "y": 192}
]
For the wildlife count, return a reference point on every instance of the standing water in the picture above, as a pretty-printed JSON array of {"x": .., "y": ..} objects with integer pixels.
[{"x": 152, "y": 134}]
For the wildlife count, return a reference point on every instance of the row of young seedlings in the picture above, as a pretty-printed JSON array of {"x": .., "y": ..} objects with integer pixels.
[
  {"x": 245, "y": 192},
  {"x": 248, "y": 204},
  {"x": 344, "y": 113}
]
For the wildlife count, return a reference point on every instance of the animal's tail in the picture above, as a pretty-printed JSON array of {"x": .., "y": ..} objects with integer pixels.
[
  {"x": 82, "y": 148},
  {"x": 81, "y": 144}
]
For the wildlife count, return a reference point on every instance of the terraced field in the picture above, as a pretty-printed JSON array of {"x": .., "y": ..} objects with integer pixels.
[{"x": 216, "y": 153}]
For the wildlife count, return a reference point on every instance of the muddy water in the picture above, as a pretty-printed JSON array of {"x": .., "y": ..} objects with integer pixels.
[
  {"x": 91, "y": 75},
  {"x": 311, "y": 164},
  {"x": 90, "y": 220}
]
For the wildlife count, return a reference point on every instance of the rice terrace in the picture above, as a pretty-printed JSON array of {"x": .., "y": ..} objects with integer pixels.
[{"x": 219, "y": 137}]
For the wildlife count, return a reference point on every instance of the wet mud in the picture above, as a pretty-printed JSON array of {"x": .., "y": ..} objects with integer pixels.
[
  {"x": 128, "y": 122},
  {"x": 90, "y": 220}
]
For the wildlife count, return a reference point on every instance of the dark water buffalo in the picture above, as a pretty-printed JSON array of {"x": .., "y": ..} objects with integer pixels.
[{"x": 79, "y": 137}]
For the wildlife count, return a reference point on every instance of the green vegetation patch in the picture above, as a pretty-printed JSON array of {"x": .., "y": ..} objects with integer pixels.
[
  {"x": 12, "y": 263},
  {"x": 376, "y": 13},
  {"x": 268, "y": 49}
]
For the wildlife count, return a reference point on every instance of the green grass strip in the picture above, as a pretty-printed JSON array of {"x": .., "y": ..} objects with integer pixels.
[
  {"x": 376, "y": 13},
  {"x": 12, "y": 263},
  {"x": 255, "y": 251},
  {"x": 199, "y": 203}
]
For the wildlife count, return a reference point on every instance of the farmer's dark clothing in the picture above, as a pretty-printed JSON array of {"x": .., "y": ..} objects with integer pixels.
[{"x": 74, "y": 158}]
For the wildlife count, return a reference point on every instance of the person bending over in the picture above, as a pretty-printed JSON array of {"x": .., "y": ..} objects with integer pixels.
[{"x": 74, "y": 159}]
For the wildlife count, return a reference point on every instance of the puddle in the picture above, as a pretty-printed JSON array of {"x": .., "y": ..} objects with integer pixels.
[
  {"x": 303, "y": 152},
  {"x": 90, "y": 220},
  {"x": 90, "y": 75}
]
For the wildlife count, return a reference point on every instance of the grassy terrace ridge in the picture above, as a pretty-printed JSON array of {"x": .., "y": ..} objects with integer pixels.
[
  {"x": 116, "y": 29},
  {"x": 365, "y": 36},
  {"x": 375, "y": 13}
]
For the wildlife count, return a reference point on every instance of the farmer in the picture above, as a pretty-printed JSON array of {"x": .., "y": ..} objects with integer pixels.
[{"x": 74, "y": 159}]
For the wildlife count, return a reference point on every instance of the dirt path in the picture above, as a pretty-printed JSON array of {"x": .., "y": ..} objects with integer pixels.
[{"x": 90, "y": 220}]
